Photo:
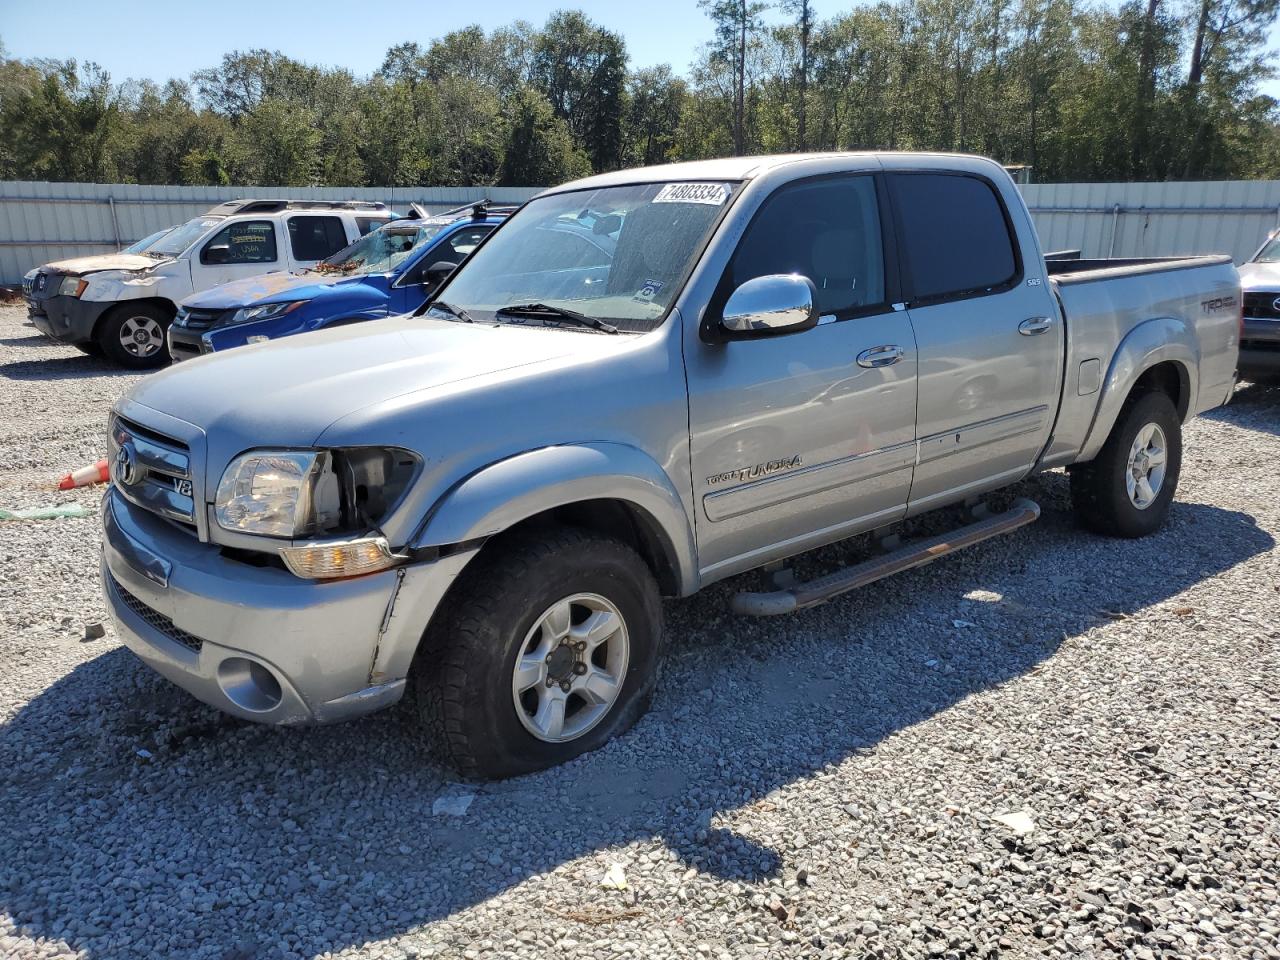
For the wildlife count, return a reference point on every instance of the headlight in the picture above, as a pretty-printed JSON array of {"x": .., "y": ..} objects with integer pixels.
[
  {"x": 269, "y": 311},
  {"x": 71, "y": 287},
  {"x": 275, "y": 493},
  {"x": 312, "y": 493}
]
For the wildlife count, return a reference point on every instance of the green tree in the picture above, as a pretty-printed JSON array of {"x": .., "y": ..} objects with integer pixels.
[{"x": 539, "y": 148}]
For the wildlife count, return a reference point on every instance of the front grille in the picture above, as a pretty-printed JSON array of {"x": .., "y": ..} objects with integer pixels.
[
  {"x": 156, "y": 619},
  {"x": 202, "y": 319},
  {"x": 27, "y": 284},
  {"x": 1261, "y": 306},
  {"x": 153, "y": 471}
]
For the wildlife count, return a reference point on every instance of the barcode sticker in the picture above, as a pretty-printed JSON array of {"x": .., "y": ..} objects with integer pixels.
[{"x": 710, "y": 193}]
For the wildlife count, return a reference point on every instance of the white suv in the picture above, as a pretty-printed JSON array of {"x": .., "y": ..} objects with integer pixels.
[{"x": 119, "y": 305}]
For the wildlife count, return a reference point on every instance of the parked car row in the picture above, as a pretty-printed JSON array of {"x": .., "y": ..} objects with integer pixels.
[
  {"x": 250, "y": 270},
  {"x": 636, "y": 385}
]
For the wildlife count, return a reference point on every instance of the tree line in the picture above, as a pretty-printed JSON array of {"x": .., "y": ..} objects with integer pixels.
[{"x": 1149, "y": 90}]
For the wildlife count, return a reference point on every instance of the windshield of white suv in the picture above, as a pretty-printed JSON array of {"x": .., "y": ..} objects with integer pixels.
[
  {"x": 382, "y": 250},
  {"x": 1270, "y": 251},
  {"x": 139, "y": 245},
  {"x": 616, "y": 254},
  {"x": 179, "y": 238}
]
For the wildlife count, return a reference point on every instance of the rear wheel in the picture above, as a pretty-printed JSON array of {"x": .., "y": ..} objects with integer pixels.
[
  {"x": 133, "y": 335},
  {"x": 548, "y": 649},
  {"x": 1126, "y": 490}
]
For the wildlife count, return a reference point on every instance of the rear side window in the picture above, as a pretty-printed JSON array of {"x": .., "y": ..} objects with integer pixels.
[
  {"x": 315, "y": 238},
  {"x": 246, "y": 241},
  {"x": 955, "y": 239},
  {"x": 827, "y": 230}
]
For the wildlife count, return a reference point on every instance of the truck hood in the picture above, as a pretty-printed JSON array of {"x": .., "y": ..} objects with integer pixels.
[
  {"x": 1260, "y": 276},
  {"x": 267, "y": 288},
  {"x": 79, "y": 266},
  {"x": 286, "y": 392}
]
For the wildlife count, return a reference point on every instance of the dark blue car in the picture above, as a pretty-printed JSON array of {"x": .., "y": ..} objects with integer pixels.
[{"x": 388, "y": 271}]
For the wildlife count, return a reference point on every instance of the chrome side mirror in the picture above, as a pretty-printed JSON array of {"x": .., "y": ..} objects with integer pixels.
[{"x": 778, "y": 303}]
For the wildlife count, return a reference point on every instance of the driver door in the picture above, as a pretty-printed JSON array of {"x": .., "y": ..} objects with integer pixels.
[{"x": 802, "y": 439}]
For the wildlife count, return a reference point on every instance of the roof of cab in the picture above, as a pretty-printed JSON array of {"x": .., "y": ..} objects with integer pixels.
[{"x": 728, "y": 168}]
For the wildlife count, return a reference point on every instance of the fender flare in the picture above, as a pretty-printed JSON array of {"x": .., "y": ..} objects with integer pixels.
[
  {"x": 1151, "y": 342},
  {"x": 502, "y": 494}
]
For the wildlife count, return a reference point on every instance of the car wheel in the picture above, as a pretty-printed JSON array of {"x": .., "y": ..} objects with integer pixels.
[
  {"x": 133, "y": 335},
  {"x": 549, "y": 648},
  {"x": 1126, "y": 490}
]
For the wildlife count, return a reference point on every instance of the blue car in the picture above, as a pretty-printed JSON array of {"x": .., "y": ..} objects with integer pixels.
[{"x": 391, "y": 270}]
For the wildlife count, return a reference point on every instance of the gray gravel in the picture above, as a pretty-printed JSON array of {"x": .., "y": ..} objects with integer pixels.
[{"x": 820, "y": 786}]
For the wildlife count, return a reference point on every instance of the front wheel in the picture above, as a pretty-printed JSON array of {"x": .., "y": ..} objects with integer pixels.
[
  {"x": 1126, "y": 490},
  {"x": 548, "y": 649},
  {"x": 133, "y": 335}
]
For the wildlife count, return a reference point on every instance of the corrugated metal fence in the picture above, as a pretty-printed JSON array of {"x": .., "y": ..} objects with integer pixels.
[
  {"x": 40, "y": 222},
  {"x": 1155, "y": 219}
]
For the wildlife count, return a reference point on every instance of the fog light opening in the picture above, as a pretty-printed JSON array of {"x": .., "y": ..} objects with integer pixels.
[{"x": 249, "y": 685}]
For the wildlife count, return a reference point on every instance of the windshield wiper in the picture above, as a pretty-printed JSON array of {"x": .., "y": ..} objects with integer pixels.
[
  {"x": 452, "y": 310},
  {"x": 547, "y": 311}
]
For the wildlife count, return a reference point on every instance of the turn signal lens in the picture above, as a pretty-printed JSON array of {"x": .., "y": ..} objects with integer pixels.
[{"x": 340, "y": 558}]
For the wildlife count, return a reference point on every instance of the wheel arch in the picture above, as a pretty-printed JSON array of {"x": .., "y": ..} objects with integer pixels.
[
  {"x": 611, "y": 488},
  {"x": 1161, "y": 354}
]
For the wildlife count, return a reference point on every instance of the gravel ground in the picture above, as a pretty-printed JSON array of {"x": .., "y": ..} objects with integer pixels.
[{"x": 826, "y": 785}]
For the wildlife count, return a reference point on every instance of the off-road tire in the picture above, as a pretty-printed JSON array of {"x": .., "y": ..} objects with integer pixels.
[
  {"x": 461, "y": 682},
  {"x": 107, "y": 335},
  {"x": 1098, "y": 490}
]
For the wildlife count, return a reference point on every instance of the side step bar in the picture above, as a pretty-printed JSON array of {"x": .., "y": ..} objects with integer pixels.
[{"x": 797, "y": 596}]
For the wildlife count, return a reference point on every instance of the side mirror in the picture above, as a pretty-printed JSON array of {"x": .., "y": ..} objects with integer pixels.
[
  {"x": 438, "y": 273},
  {"x": 219, "y": 254},
  {"x": 770, "y": 305}
]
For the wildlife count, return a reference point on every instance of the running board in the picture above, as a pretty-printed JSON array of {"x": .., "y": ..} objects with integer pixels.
[{"x": 797, "y": 596}]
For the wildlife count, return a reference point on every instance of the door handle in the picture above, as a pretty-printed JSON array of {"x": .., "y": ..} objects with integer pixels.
[
  {"x": 884, "y": 356},
  {"x": 1035, "y": 326}
]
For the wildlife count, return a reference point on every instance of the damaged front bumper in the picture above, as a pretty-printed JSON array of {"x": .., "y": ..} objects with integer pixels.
[
  {"x": 66, "y": 319},
  {"x": 256, "y": 641}
]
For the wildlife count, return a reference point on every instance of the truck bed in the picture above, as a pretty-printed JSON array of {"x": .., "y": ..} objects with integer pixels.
[{"x": 1194, "y": 300}]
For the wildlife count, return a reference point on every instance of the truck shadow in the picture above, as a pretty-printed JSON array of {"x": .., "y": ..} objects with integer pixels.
[
  {"x": 1254, "y": 406},
  {"x": 326, "y": 839}
]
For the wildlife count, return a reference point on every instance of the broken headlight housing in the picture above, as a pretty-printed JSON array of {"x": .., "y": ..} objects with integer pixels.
[{"x": 327, "y": 495}]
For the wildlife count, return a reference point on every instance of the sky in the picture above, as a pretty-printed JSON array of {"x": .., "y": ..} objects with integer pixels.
[{"x": 132, "y": 38}]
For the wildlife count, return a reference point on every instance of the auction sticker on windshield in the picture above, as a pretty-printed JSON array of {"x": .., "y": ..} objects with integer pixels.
[{"x": 711, "y": 193}]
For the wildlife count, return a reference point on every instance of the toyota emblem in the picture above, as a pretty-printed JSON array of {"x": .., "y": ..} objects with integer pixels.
[
  {"x": 126, "y": 464},
  {"x": 1275, "y": 304}
]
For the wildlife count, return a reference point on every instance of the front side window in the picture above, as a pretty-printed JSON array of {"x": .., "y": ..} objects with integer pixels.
[
  {"x": 463, "y": 242},
  {"x": 246, "y": 241},
  {"x": 827, "y": 230},
  {"x": 955, "y": 239},
  {"x": 618, "y": 254},
  {"x": 314, "y": 238},
  {"x": 179, "y": 238}
]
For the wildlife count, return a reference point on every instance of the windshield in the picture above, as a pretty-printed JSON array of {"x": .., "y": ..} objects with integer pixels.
[
  {"x": 617, "y": 254},
  {"x": 179, "y": 238},
  {"x": 1270, "y": 251},
  {"x": 382, "y": 250},
  {"x": 139, "y": 245}
]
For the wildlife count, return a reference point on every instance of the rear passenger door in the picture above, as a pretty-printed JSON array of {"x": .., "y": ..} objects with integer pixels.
[
  {"x": 801, "y": 439},
  {"x": 989, "y": 335}
]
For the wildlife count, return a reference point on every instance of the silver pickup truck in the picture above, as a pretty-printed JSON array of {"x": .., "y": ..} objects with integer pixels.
[{"x": 483, "y": 503}]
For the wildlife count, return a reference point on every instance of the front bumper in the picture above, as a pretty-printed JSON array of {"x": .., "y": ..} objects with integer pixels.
[
  {"x": 66, "y": 319},
  {"x": 255, "y": 641},
  {"x": 1260, "y": 348},
  {"x": 185, "y": 344}
]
